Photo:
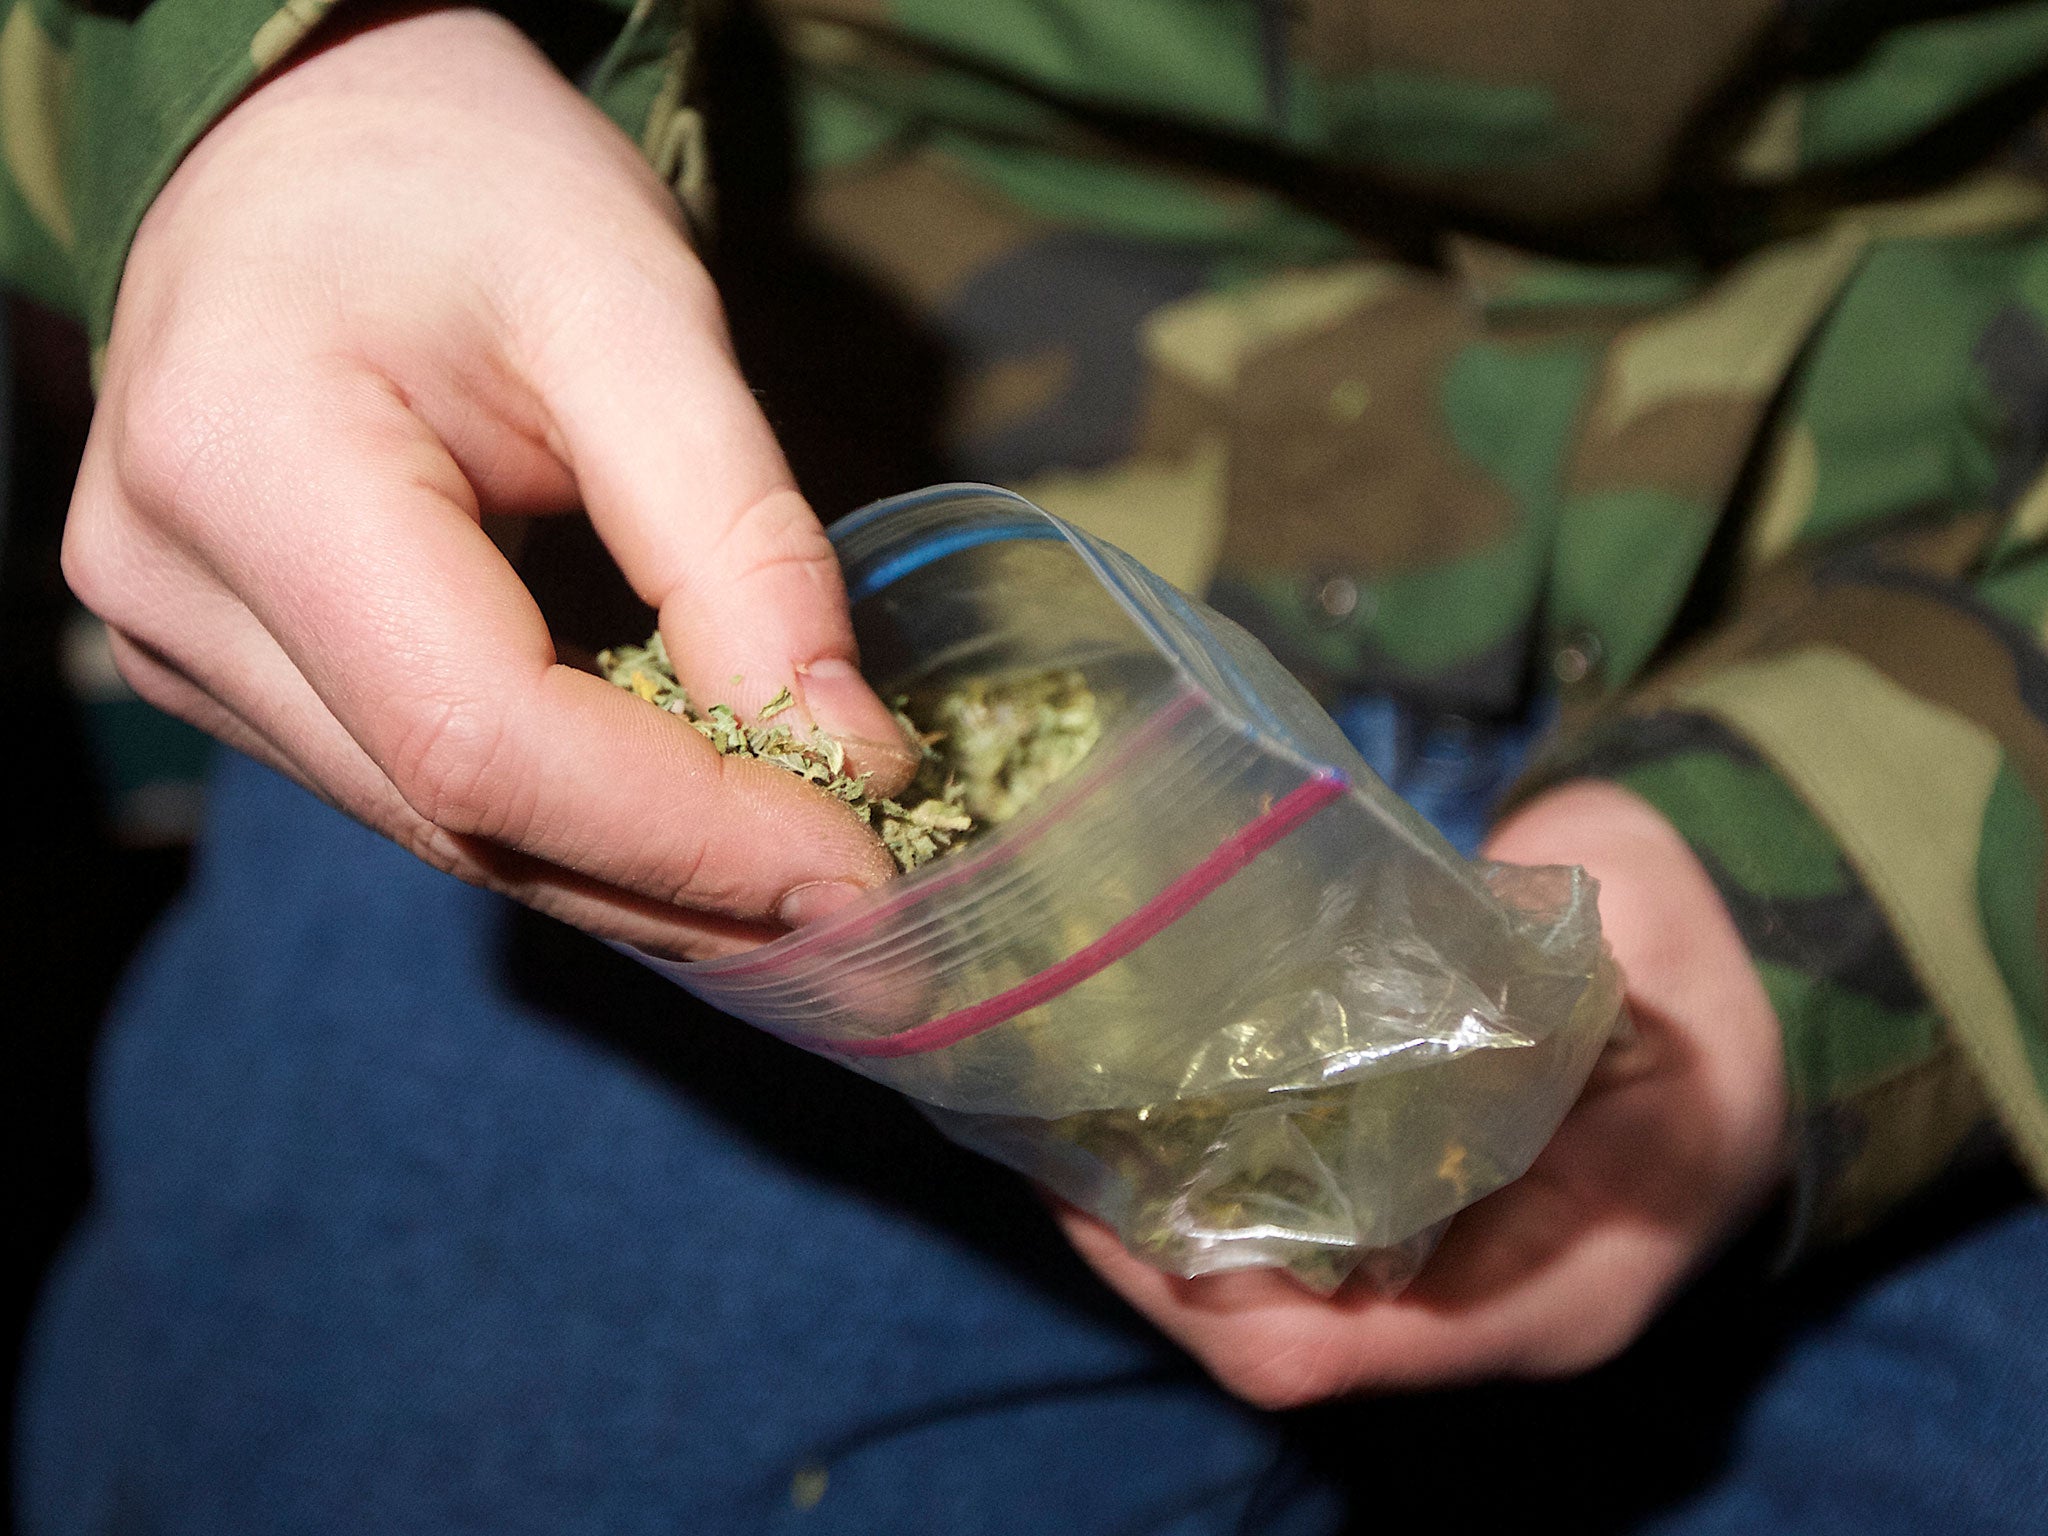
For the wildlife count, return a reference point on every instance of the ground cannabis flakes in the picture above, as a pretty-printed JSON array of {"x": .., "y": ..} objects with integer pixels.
[
  {"x": 1006, "y": 741},
  {"x": 989, "y": 749}
]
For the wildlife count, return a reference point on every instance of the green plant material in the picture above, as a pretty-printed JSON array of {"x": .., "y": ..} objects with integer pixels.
[
  {"x": 1004, "y": 742},
  {"x": 988, "y": 749},
  {"x": 1266, "y": 1161}
]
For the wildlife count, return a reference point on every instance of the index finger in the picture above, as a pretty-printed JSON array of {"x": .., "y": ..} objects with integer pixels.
[
  {"x": 690, "y": 491},
  {"x": 366, "y": 564}
]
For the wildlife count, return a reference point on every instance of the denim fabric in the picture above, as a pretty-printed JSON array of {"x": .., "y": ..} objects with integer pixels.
[
  {"x": 420, "y": 1214},
  {"x": 1920, "y": 1404}
]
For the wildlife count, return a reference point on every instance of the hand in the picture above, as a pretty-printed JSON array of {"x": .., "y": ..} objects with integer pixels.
[
  {"x": 1677, "y": 1140},
  {"x": 411, "y": 279}
]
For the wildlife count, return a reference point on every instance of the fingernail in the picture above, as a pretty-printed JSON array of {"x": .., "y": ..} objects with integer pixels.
[
  {"x": 844, "y": 706},
  {"x": 839, "y": 698},
  {"x": 803, "y": 905}
]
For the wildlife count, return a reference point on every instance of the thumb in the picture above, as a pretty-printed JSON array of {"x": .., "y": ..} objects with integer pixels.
[
  {"x": 688, "y": 488},
  {"x": 763, "y": 607}
]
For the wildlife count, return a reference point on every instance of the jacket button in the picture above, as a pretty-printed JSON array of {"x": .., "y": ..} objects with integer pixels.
[
  {"x": 1341, "y": 600},
  {"x": 1577, "y": 658}
]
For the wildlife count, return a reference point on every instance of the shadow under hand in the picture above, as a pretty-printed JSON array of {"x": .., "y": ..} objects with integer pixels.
[{"x": 805, "y": 1112}]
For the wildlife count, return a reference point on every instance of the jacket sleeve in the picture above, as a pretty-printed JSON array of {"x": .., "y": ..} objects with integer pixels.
[
  {"x": 1858, "y": 752},
  {"x": 95, "y": 113}
]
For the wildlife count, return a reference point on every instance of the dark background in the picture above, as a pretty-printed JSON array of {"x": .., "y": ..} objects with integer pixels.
[{"x": 74, "y": 899}]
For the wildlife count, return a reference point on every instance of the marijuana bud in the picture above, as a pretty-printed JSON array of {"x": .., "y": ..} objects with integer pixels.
[{"x": 986, "y": 749}]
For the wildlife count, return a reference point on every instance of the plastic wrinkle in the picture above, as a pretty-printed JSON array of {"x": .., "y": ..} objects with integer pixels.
[
  {"x": 1171, "y": 904},
  {"x": 1238, "y": 1047}
]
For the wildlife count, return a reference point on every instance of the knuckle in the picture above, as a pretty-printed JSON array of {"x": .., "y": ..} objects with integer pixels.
[
  {"x": 776, "y": 534},
  {"x": 691, "y": 873},
  {"x": 687, "y": 885},
  {"x": 450, "y": 766},
  {"x": 657, "y": 275},
  {"x": 125, "y": 573},
  {"x": 107, "y": 559},
  {"x": 654, "y": 294},
  {"x": 92, "y": 558},
  {"x": 172, "y": 434},
  {"x": 677, "y": 281}
]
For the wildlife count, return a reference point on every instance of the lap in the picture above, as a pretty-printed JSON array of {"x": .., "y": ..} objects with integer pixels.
[
  {"x": 419, "y": 1213},
  {"x": 1913, "y": 1399}
]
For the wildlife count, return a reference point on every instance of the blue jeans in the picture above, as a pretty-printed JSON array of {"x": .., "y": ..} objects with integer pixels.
[{"x": 420, "y": 1214}]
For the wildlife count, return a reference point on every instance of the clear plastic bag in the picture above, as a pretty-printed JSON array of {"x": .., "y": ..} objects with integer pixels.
[{"x": 1217, "y": 985}]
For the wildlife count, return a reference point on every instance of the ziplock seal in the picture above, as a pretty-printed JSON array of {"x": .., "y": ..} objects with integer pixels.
[
  {"x": 1187, "y": 891},
  {"x": 921, "y": 884},
  {"x": 870, "y": 571},
  {"x": 892, "y": 568}
]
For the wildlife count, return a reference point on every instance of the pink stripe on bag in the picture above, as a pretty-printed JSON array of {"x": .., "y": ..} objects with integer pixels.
[
  {"x": 898, "y": 895},
  {"x": 1230, "y": 856}
]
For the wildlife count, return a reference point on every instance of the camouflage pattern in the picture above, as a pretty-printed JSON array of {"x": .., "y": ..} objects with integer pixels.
[
  {"x": 96, "y": 110},
  {"x": 1682, "y": 364}
]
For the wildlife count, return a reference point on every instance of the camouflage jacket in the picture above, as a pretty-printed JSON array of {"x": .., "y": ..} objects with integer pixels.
[{"x": 1681, "y": 365}]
